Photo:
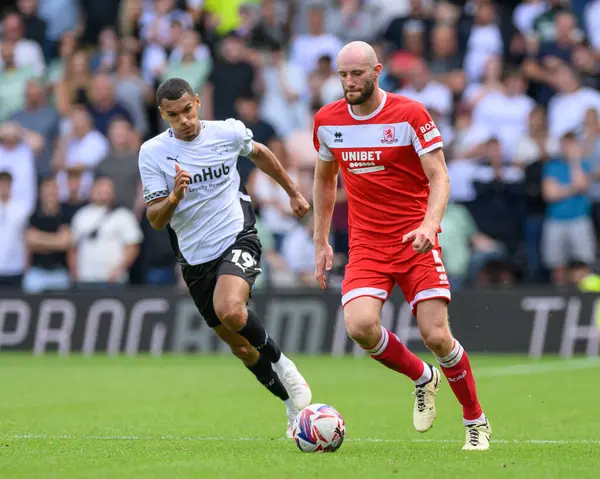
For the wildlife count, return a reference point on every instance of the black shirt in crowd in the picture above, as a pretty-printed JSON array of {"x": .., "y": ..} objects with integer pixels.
[
  {"x": 49, "y": 224},
  {"x": 230, "y": 81}
]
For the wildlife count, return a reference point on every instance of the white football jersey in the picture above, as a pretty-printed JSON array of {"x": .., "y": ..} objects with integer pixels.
[{"x": 216, "y": 207}]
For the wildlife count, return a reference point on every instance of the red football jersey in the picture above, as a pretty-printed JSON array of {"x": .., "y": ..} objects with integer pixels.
[{"x": 378, "y": 155}]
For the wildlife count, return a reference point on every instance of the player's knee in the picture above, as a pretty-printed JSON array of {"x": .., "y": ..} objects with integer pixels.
[
  {"x": 438, "y": 340},
  {"x": 231, "y": 314},
  {"x": 241, "y": 351},
  {"x": 365, "y": 331}
]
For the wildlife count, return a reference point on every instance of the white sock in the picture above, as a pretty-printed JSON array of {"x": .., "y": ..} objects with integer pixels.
[
  {"x": 426, "y": 376},
  {"x": 289, "y": 405},
  {"x": 479, "y": 420},
  {"x": 280, "y": 365}
]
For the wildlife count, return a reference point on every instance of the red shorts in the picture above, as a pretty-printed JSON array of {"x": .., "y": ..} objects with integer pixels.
[{"x": 373, "y": 270}]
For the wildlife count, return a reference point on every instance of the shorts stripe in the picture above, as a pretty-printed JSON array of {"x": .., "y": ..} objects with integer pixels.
[
  {"x": 430, "y": 294},
  {"x": 358, "y": 292}
]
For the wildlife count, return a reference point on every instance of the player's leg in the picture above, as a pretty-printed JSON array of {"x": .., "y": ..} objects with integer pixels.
[
  {"x": 230, "y": 299},
  {"x": 432, "y": 317},
  {"x": 261, "y": 367},
  {"x": 362, "y": 314},
  {"x": 425, "y": 286}
]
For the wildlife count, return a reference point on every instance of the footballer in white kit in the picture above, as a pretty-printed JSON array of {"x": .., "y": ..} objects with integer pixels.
[{"x": 193, "y": 189}]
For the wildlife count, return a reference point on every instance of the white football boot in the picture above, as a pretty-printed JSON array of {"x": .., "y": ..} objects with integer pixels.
[
  {"x": 293, "y": 382},
  {"x": 478, "y": 436},
  {"x": 424, "y": 408}
]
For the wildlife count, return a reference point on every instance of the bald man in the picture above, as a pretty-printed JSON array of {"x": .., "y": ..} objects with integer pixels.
[{"x": 390, "y": 154}]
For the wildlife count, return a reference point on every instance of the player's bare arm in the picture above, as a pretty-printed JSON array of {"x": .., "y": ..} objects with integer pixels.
[
  {"x": 266, "y": 161},
  {"x": 434, "y": 166},
  {"x": 324, "y": 194},
  {"x": 160, "y": 210}
]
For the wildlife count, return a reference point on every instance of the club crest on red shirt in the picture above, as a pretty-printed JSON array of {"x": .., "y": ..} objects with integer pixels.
[{"x": 389, "y": 135}]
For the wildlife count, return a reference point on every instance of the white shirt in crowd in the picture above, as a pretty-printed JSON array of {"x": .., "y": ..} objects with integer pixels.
[
  {"x": 275, "y": 203},
  {"x": 98, "y": 254},
  {"x": 592, "y": 22},
  {"x": 298, "y": 250},
  {"x": 525, "y": 13},
  {"x": 87, "y": 151},
  {"x": 566, "y": 111},
  {"x": 307, "y": 49},
  {"x": 435, "y": 96},
  {"x": 483, "y": 42},
  {"x": 20, "y": 163},
  {"x": 14, "y": 217},
  {"x": 215, "y": 209},
  {"x": 507, "y": 116},
  {"x": 28, "y": 54}
]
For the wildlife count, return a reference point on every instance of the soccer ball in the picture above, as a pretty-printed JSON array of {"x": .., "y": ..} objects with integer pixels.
[{"x": 319, "y": 428}]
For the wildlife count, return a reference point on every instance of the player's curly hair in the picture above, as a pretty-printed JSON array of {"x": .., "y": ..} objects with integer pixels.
[{"x": 173, "y": 89}]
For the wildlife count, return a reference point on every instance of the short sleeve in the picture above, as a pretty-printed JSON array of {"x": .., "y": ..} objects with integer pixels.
[
  {"x": 245, "y": 137},
  {"x": 550, "y": 170},
  {"x": 425, "y": 135},
  {"x": 154, "y": 183},
  {"x": 319, "y": 143}
]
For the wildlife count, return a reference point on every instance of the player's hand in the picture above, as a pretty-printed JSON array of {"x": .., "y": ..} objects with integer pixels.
[
  {"x": 324, "y": 263},
  {"x": 182, "y": 180},
  {"x": 299, "y": 205},
  {"x": 423, "y": 238}
]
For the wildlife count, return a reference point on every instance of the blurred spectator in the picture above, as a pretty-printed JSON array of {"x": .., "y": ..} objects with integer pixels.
[
  {"x": 567, "y": 109},
  {"x": 592, "y": 22},
  {"x": 156, "y": 256},
  {"x": 419, "y": 18},
  {"x": 583, "y": 277},
  {"x": 121, "y": 165},
  {"x": 48, "y": 239},
  {"x": 525, "y": 14},
  {"x": 485, "y": 39},
  {"x": 130, "y": 13},
  {"x": 490, "y": 83},
  {"x": 552, "y": 54},
  {"x": 532, "y": 151},
  {"x": 298, "y": 250},
  {"x": 568, "y": 229},
  {"x": 133, "y": 93},
  {"x": 82, "y": 148},
  {"x": 587, "y": 65},
  {"x": 271, "y": 29},
  {"x": 106, "y": 58},
  {"x": 325, "y": 82},
  {"x": 106, "y": 239},
  {"x": 26, "y": 53},
  {"x": 544, "y": 25},
  {"x": 248, "y": 111},
  {"x": 591, "y": 151},
  {"x": 40, "y": 117},
  {"x": 306, "y": 49},
  {"x": 17, "y": 158},
  {"x": 74, "y": 200},
  {"x": 506, "y": 111},
  {"x": 98, "y": 16},
  {"x": 34, "y": 26},
  {"x": 157, "y": 20},
  {"x": 57, "y": 66},
  {"x": 466, "y": 250},
  {"x": 103, "y": 106},
  {"x": 349, "y": 21},
  {"x": 60, "y": 16},
  {"x": 445, "y": 58},
  {"x": 74, "y": 86},
  {"x": 436, "y": 96},
  {"x": 13, "y": 80},
  {"x": 13, "y": 221},
  {"x": 285, "y": 88},
  {"x": 232, "y": 77},
  {"x": 190, "y": 60}
]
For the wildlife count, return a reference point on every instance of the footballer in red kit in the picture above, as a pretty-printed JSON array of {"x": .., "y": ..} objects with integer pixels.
[{"x": 390, "y": 154}]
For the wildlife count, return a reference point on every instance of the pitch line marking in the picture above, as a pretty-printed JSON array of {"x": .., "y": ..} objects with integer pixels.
[{"x": 266, "y": 439}]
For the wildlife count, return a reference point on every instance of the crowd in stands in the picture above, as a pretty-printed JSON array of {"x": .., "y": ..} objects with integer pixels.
[{"x": 512, "y": 85}]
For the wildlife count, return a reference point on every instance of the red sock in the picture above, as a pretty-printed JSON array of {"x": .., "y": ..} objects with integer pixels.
[
  {"x": 457, "y": 368},
  {"x": 390, "y": 352}
]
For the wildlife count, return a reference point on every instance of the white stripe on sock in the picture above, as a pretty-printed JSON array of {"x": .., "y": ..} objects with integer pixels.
[
  {"x": 426, "y": 376},
  {"x": 454, "y": 357},
  {"x": 381, "y": 344},
  {"x": 480, "y": 419}
]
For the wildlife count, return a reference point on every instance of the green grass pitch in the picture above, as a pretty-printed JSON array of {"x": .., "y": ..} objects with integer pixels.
[{"x": 206, "y": 417}]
